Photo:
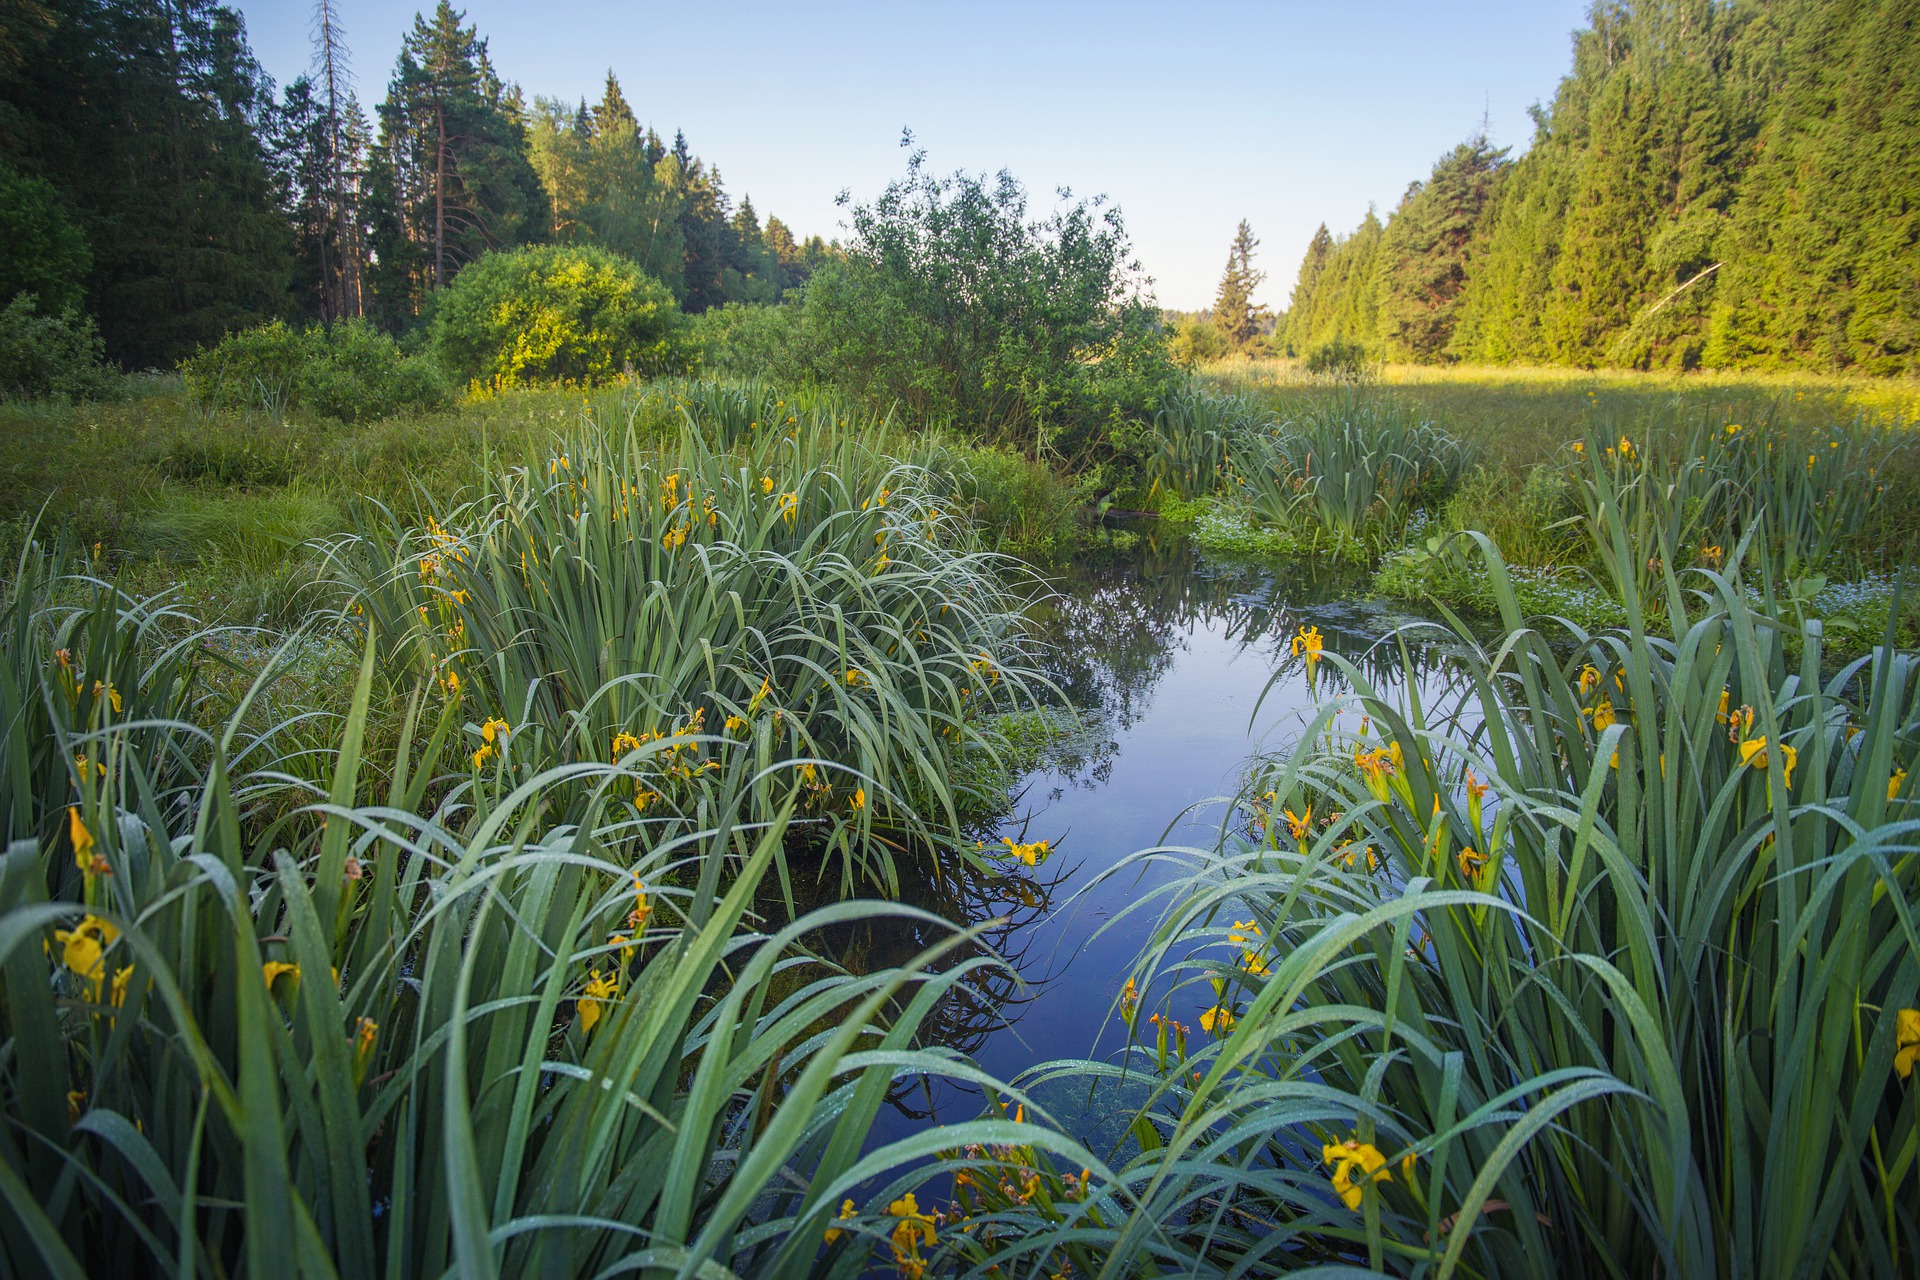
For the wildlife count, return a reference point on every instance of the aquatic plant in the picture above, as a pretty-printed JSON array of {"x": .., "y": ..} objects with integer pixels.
[
  {"x": 795, "y": 596},
  {"x": 1601, "y": 960},
  {"x": 416, "y": 1025},
  {"x": 1354, "y": 467}
]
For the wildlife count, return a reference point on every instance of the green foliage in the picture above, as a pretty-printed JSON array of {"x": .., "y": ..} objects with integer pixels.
[
  {"x": 384, "y": 1027},
  {"x": 958, "y": 308},
  {"x": 1425, "y": 259},
  {"x": 350, "y": 372},
  {"x": 1192, "y": 436},
  {"x": 449, "y": 179},
  {"x": 1338, "y": 359},
  {"x": 1355, "y": 467},
  {"x": 753, "y": 341},
  {"x": 45, "y": 253},
  {"x": 569, "y": 314},
  {"x": 143, "y": 117},
  {"x": 1338, "y": 294},
  {"x": 1539, "y": 964},
  {"x": 52, "y": 355},
  {"x": 1193, "y": 340},
  {"x": 611, "y": 184},
  {"x": 783, "y": 588},
  {"x": 1022, "y": 507},
  {"x": 1712, "y": 185}
]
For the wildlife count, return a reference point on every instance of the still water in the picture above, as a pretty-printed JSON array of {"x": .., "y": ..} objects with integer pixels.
[{"x": 1173, "y": 656}]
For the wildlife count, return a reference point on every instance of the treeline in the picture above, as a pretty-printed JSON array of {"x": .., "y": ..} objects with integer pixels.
[
  {"x": 1718, "y": 183},
  {"x": 152, "y": 176}
]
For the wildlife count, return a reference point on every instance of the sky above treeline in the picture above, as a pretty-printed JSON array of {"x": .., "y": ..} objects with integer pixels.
[{"x": 1189, "y": 116}]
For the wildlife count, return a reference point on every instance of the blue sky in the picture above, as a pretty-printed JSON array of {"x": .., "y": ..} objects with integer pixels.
[{"x": 1190, "y": 116}]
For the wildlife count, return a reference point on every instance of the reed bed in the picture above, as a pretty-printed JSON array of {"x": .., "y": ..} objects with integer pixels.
[
  {"x": 420, "y": 1022},
  {"x": 754, "y": 590}
]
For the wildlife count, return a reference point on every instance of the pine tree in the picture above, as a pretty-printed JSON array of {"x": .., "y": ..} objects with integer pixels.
[
  {"x": 1235, "y": 313},
  {"x": 454, "y": 163}
]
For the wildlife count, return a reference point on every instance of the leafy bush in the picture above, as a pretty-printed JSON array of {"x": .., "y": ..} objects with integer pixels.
[
  {"x": 753, "y": 341},
  {"x": 572, "y": 314},
  {"x": 1023, "y": 507},
  {"x": 351, "y": 372},
  {"x": 957, "y": 307},
  {"x": 1192, "y": 341},
  {"x": 57, "y": 355},
  {"x": 1342, "y": 359}
]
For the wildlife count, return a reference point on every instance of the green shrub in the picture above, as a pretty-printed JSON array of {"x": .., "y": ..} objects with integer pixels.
[
  {"x": 1526, "y": 517},
  {"x": 752, "y": 341},
  {"x": 1022, "y": 507},
  {"x": 571, "y": 314},
  {"x": 351, "y": 372},
  {"x": 956, "y": 306},
  {"x": 52, "y": 355},
  {"x": 1192, "y": 341},
  {"x": 1341, "y": 359}
]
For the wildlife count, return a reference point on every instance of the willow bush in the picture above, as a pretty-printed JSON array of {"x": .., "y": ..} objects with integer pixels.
[{"x": 1601, "y": 961}]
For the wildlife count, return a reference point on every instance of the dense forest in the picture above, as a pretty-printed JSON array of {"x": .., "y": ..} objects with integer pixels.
[
  {"x": 1718, "y": 183},
  {"x": 153, "y": 175}
]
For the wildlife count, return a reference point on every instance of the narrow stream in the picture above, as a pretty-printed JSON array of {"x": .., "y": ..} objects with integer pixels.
[{"x": 1173, "y": 654}]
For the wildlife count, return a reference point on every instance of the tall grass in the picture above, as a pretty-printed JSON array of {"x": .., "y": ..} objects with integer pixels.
[
  {"x": 1354, "y": 466},
  {"x": 384, "y": 1034},
  {"x": 794, "y": 596},
  {"x": 1193, "y": 436},
  {"x": 1603, "y": 962}
]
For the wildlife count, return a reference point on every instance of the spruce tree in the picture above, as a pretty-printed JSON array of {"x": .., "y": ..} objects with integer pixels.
[
  {"x": 1235, "y": 313},
  {"x": 1426, "y": 251},
  {"x": 1300, "y": 303}
]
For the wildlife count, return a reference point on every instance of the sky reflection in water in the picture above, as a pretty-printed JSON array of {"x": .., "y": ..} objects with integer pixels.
[{"x": 1173, "y": 650}]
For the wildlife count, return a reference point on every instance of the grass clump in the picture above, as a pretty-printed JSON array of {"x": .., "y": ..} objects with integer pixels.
[{"x": 791, "y": 595}]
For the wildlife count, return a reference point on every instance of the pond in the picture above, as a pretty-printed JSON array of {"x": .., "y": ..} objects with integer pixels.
[{"x": 1172, "y": 655}]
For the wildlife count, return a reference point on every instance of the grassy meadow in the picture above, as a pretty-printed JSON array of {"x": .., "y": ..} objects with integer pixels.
[{"x": 433, "y": 824}]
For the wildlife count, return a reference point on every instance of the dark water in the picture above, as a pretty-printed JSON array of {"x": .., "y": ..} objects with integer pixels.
[{"x": 1172, "y": 655}]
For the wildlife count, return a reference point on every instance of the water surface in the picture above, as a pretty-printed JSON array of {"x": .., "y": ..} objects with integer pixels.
[{"x": 1173, "y": 655}]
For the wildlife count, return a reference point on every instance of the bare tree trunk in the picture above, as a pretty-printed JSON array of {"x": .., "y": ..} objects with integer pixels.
[
  {"x": 439, "y": 193},
  {"x": 341, "y": 287}
]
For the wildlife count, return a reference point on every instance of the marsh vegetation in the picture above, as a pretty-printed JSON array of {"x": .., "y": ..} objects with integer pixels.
[{"x": 590, "y": 736}]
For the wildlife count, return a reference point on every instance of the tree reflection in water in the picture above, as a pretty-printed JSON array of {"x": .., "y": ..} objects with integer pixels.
[{"x": 1111, "y": 629}]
